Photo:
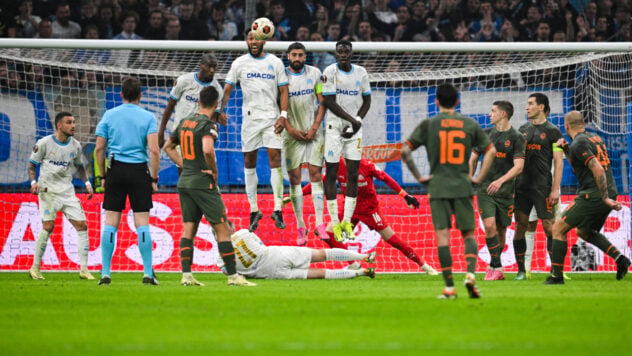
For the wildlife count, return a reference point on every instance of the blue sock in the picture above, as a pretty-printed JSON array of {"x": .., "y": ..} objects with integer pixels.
[
  {"x": 145, "y": 247},
  {"x": 108, "y": 240}
]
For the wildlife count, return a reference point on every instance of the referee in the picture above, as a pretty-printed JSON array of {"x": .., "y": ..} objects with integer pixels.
[{"x": 128, "y": 132}]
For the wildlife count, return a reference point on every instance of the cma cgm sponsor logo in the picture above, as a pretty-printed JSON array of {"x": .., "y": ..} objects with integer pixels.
[
  {"x": 59, "y": 163},
  {"x": 256, "y": 75},
  {"x": 301, "y": 92},
  {"x": 191, "y": 98},
  {"x": 347, "y": 92}
]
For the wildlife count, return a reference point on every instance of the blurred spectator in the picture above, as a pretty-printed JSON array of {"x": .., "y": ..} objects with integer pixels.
[
  {"x": 137, "y": 6},
  {"x": 365, "y": 31},
  {"x": 529, "y": 25},
  {"x": 321, "y": 59},
  {"x": 543, "y": 32},
  {"x": 172, "y": 32},
  {"x": 448, "y": 17},
  {"x": 128, "y": 24},
  {"x": 156, "y": 28},
  {"x": 153, "y": 5},
  {"x": 419, "y": 18},
  {"x": 602, "y": 28},
  {"x": 82, "y": 103},
  {"x": 44, "y": 29},
  {"x": 508, "y": 32},
  {"x": 605, "y": 8},
  {"x": 282, "y": 23},
  {"x": 302, "y": 33},
  {"x": 559, "y": 36},
  {"x": 472, "y": 10},
  {"x": 89, "y": 15},
  {"x": 95, "y": 56},
  {"x": 34, "y": 76},
  {"x": 174, "y": 8},
  {"x": 336, "y": 9},
  {"x": 219, "y": 26},
  {"x": 107, "y": 21},
  {"x": 501, "y": 7},
  {"x": 25, "y": 22},
  {"x": 403, "y": 31},
  {"x": 487, "y": 16},
  {"x": 352, "y": 16},
  {"x": 333, "y": 31},
  {"x": 302, "y": 11},
  {"x": 62, "y": 26},
  {"x": 191, "y": 28},
  {"x": 590, "y": 14},
  {"x": 321, "y": 19}
]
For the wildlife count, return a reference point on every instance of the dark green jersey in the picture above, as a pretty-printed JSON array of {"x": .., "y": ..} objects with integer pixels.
[
  {"x": 509, "y": 145},
  {"x": 189, "y": 135},
  {"x": 539, "y": 156},
  {"x": 585, "y": 147},
  {"x": 449, "y": 140}
]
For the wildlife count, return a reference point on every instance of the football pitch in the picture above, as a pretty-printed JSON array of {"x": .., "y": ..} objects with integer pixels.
[{"x": 388, "y": 315}]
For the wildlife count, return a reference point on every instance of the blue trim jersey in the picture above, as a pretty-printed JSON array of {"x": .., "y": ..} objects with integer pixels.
[
  {"x": 302, "y": 92},
  {"x": 186, "y": 92},
  {"x": 260, "y": 78},
  {"x": 348, "y": 87},
  {"x": 56, "y": 160}
]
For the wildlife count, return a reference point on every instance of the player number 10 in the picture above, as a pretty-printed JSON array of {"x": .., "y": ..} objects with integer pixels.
[
  {"x": 451, "y": 152},
  {"x": 186, "y": 145}
]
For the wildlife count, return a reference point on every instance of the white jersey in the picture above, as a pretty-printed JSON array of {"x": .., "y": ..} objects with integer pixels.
[
  {"x": 187, "y": 93},
  {"x": 302, "y": 92},
  {"x": 260, "y": 78},
  {"x": 349, "y": 88},
  {"x": 249, "y": 252},
  {"x": 56, "y": 161}
]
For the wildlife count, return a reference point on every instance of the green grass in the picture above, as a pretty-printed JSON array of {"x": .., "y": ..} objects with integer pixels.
[{"x": 391, "y": 314}]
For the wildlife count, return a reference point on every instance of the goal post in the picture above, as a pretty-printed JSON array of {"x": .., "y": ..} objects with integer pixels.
[{"x": 41, "y": 77}]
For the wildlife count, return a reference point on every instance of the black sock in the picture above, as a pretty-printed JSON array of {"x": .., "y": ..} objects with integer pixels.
[
  {"x": 471, "y": 254},
  {"x": 493, "y": 245},
  {"x": 445, "y": 260},
  {"x": 520, "y": 247},
  {"x": 603, "y": 244},
  {"x": 186, "y": 254},
  {"x": 549, "y": 245},
  {"x": 559, "y": 249},
  {"x": 227, "y": 252}
]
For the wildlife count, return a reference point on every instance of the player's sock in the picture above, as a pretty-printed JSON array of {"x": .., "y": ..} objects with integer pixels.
[
  {"x": 445, "y": 260},
  {"x": 603, "y": 244},
  {"x": 227, "y": 252},
  {"x": 40, "y": 247},
  {"x": 529, "y": 237},
  {"x": 276, "y": 180},
  {"x": 108, "y": 240},
  {"x": 558, "y": 249},
  {"x": 332, "y": 208},
  {"x": 83, "y": 246},
  {"x": 471, "y": 254},
  {"x": 520, "y": 245},
  {"x": 341, "y": 273},
  {"x": 493, "y": 245},
  {"x": 186, "y": 254},
  {"x": 549, "y": 245},
  {"x": 318, "y": 199},
  {"x": 296, "y": 195},
  {"x": 250, "y": 176},
  {"x": 145, "y": 246},
  {"x": 339, "y": 254},
  {"x": 350, "y": 204},
  {"x": 405, "y": 248},
  {"x": 333, "y": 243}
]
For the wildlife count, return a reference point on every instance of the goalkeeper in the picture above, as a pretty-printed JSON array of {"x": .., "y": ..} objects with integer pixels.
[
  {"x": 368, "y": 211},
  {"x": 256, "y": 260}
]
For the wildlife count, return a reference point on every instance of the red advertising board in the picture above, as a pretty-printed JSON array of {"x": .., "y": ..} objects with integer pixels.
[{"x": 20, "y": 224}]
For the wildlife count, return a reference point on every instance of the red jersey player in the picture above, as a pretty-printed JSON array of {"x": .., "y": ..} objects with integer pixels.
[{"x": 367, "y": 209}]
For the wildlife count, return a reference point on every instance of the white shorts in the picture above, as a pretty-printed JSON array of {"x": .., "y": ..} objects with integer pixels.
[
  {"x": 336, "y": 145},
  {"x": 68, "y": 203},
  {"x": 285, "y": 262},
  {"x": 259, "y": 133},
  {"x": 298, "y": 152},
  {"x": 533, "y": 215}
]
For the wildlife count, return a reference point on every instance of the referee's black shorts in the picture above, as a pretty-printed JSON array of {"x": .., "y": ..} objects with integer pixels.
[{"x": 128, "y": 179}]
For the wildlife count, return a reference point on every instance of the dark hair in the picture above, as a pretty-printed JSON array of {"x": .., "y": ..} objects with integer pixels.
[
  {"x": 208, "y": 96},
  {"x": 344, "y": 43},
  {"x": 542, "y": 99},
  {"x": 131, "y": 89},
  {"x": 296, "y": 45},
  {"x": 60, "y": 116},
  {"x": 209, "y": 59},
  {"x": 505, "y": 106},
  {"x": 447, "y": 95},
  {"x": 132, "y": 14}
]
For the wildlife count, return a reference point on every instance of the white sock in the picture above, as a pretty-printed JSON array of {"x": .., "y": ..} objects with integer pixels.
[
  {"x": 83, "y": 246},
  {"x": 530, "y": 239},
  {"x": 187, "y": 274},
  {"x": 342, "y": 273},
  {"x": 40, "y": 247},
  {"x": 250, "y": 175},
  {"x": 319, "y": 201},
  {"x": 276, "y": 180},
  {"x": 338, "y": 254},
  {"x": 296, "y": 195},
  {"x": 350, "y": 204},
  {"x": 332, "y": 207}
]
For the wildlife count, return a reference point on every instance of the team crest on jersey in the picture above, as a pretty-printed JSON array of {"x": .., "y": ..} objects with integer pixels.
[
  {"x": 72, "y": 155},
  {"x": 310, "y": 81},
  {"x": 357, "y": 83},
  {"x": 270, "y": 68},
  {"x": 542, "y": 136},
  {"x": 330, "y": 153},
  {"x": 323, "y": 78},
  {"x": 507, "y": 143},
  {"x": 35, "y": 149}
]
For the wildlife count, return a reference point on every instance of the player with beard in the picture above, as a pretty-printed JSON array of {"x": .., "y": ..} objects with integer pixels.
[
  {"x": 347, "y": 94},
  {"x": 304, "y": 139},
  {"x": 263, "y": 84}
]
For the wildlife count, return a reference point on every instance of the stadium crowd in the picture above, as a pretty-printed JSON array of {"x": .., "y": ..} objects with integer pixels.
[{"x": 322, "y": 20}]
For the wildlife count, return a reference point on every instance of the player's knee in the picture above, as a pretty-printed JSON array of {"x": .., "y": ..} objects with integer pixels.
[{"x": 490, "y": 229}]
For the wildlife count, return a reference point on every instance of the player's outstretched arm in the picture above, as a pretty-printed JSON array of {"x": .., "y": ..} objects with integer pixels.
[
  {"x": 558, "y": 164},
  {"x": 32, "y": 170},
  {"x": 171, "y": 104},
  {"x": 83, "y": 175},
  {"x": 222, "y": 118},
  {"x": 99, "y": 150},
  {"x": 407, "y": 157},
  {"x": 170, "y": 149}
]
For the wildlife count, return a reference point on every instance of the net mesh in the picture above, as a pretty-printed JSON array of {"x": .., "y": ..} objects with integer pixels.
[{"x": 37, "y": 83}]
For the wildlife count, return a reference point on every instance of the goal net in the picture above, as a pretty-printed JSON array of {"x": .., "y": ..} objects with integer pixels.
[{"x": 41, "y": 78}]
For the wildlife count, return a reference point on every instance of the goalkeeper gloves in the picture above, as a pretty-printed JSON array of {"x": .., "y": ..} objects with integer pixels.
[{"x": 411, "y": 201}]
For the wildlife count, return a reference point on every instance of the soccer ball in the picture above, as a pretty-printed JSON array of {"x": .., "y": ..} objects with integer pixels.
[{"x": 263, "y": 28}]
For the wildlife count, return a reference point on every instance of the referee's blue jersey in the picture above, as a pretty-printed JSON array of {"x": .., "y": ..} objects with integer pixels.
[{"x": 126, "y": 128}]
